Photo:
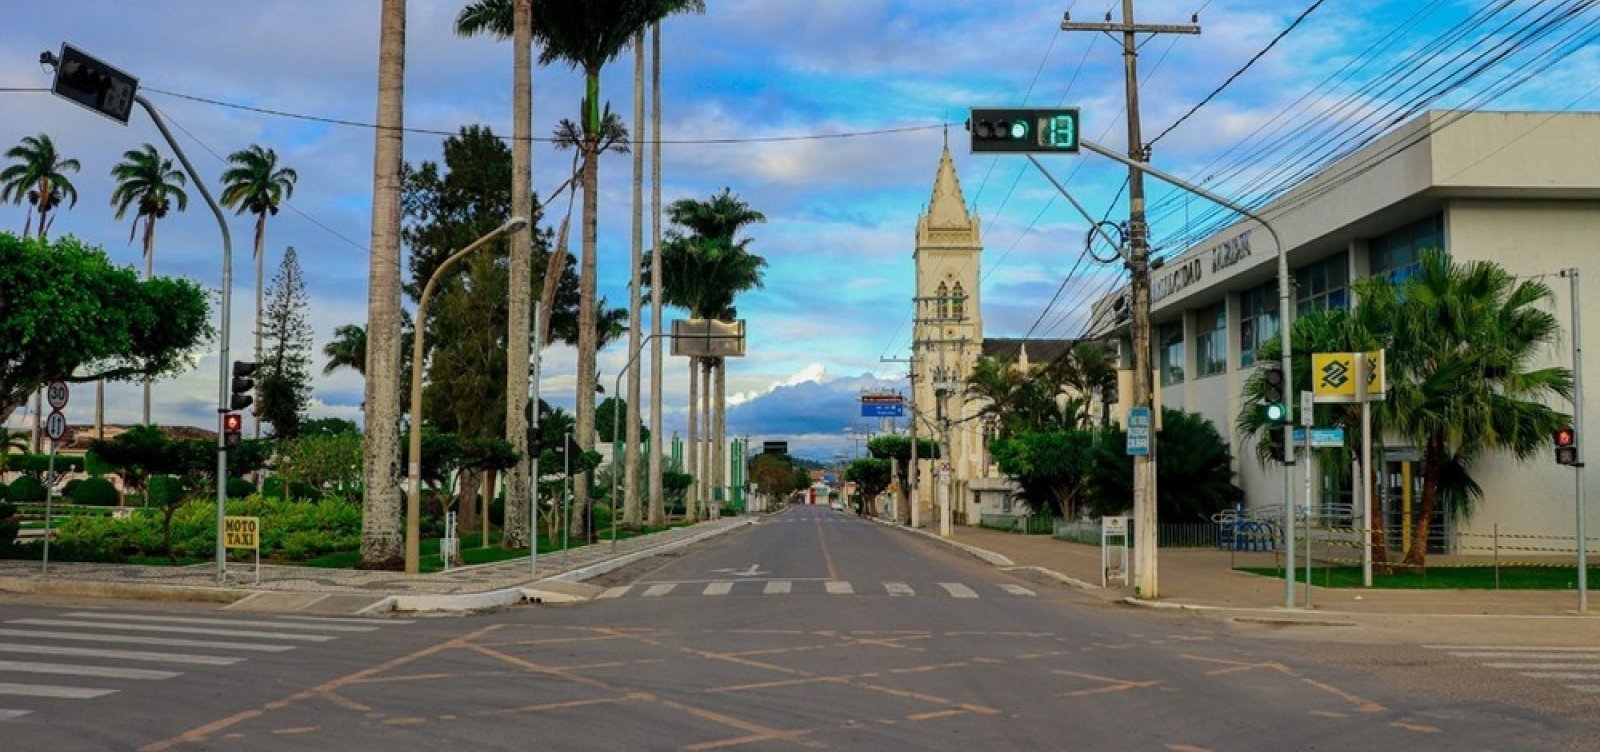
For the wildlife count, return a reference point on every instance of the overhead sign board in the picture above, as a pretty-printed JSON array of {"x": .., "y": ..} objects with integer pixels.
[
  {"x": 775, "y": 447},
  {"x": 1139, "y": 430},
  {"x": 1334, "y": 377},
  {"x": 883, "y": 406},
  {"x": 1321, "y": 438},
  {"x": 708, "y": 338}
]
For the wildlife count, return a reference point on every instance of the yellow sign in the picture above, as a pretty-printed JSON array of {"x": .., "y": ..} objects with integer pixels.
[
  {"x": 1334, "y": 376},
  {"x": 241, "y": 532}
]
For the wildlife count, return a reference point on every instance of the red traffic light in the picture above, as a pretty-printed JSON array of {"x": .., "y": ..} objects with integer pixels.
[
  {"x": 1566, "y": 436},
  {"x": 233, "y": 422}
]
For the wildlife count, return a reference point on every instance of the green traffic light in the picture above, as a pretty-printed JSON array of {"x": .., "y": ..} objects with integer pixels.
[
  {"x": 1277, "y": 412},
  {"x": 1019, "y": 130}
]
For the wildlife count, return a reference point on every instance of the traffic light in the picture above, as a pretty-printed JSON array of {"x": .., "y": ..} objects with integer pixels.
[
  {"x": 1566, "y": 446},
  {"x": 242, "y": 385},
  {"x": 1274, "y": 439},
  {"x": 535, "y": 435},
  {"x": 93, "y": 83},
  {"x": 1024, "y": 130},
  {"x": 1273, "y": 407},
  {"x": 232, "y": 429}
]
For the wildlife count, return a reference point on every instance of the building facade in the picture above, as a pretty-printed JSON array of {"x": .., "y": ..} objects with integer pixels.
[{"x": 1519, "y": 189}]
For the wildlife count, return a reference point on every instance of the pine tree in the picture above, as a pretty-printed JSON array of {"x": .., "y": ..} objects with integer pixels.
[{"x": 285, "y": 384}]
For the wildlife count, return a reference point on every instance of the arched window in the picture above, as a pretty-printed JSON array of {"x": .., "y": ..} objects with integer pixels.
[
  {"x": 943, "y": 302},
  {"x": 958, "y": 303}
]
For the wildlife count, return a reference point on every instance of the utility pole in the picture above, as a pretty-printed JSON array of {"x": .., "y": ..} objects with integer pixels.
[
  {"x": 911, "y": 470},
  {"x": 1144, "y": 466}
]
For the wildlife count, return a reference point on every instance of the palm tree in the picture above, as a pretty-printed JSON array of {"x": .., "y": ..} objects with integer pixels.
[
  {"x": 257, "y": 185},
  {"x": 39, "y": 176},
  {"x": 381, "y": 534},
  {"x": 10, "y": 440},
  {"x": 347, "y": 349},
  {"x": 1088, "y": 369},
  {"x": 146, "y": 181}
]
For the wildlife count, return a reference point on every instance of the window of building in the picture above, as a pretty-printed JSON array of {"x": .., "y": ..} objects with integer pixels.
[
  {"x": 1171, "y": 339},
  {"x": 1398, "y": 253},
  {"x": 958, "y": 302},
  {"x": 1211, "y": 340},
  {"x": 1258, "y": 320},
  {"x": 1324, "y": 284},
  {"x": 942, "y": 302}
]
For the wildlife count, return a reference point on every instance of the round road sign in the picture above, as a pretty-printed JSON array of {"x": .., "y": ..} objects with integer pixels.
[
  {"x": 55, "y": 426},
  {"x": 56, "y": 394}
]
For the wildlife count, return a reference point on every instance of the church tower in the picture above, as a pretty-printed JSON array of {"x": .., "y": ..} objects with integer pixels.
[{"x": 948, "y": 332}]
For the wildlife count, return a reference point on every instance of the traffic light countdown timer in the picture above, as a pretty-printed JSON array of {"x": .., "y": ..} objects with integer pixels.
[{"x": 1037, "y": 130}]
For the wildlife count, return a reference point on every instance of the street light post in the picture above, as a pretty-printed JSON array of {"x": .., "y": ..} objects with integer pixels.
[
  {"x": 414, "y": 454},
  {"x": 633, "y": 356}
]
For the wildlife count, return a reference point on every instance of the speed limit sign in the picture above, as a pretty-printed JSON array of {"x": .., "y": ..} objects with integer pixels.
[
  {"x": 56, "y": 394},
  {"x": 55, "y": 426}
]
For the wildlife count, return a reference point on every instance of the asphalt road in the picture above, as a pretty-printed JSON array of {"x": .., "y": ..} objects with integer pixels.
[{"x": 812, "y": 629}]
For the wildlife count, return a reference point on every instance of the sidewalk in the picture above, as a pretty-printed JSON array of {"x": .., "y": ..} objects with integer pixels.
[
  {"x": 464, "y": 587},
  {"x": 1205, "y": 578}
]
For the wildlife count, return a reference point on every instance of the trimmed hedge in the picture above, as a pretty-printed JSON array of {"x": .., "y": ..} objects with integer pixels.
[
  {"x": 290, "y": 531},
  {"x": 26, "y": 488},
  {"x": 94, "y": 492},
  {"x": 239, "y": 488}
]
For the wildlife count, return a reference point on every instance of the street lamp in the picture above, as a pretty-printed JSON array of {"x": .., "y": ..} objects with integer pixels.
[
  {"x": 414, "y": 455},
  {"x": 617, "y": 389}
]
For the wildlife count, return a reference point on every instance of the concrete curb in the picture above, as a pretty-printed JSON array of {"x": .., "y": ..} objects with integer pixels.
[
  {"x": 1053, "y": 574},
  {"x": 541, "y": 590},
  {"x": 128, "y": 591},
  {"x": 998, "y": 560}
]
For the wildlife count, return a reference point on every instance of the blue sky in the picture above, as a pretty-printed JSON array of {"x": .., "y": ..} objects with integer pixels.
[{"x": 841, "y": 210}]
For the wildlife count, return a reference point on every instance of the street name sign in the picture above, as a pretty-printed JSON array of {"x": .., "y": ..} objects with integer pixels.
[{"x": 1321, "y": 438}]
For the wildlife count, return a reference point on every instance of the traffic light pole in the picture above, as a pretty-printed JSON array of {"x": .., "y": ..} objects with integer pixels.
[
  {"x": 1577, "y": 428},
  {"x": 222, "y": 354}
]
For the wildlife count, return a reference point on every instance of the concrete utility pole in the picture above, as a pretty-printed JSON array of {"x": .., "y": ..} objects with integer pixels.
[
  {"x": 1144, "y": 466},
  {"x": 911, "y": 469}
]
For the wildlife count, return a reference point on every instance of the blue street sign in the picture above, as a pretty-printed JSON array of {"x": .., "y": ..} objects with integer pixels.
[
  {"x": 883, "y": 410},
  {"x": 1139, "y": 430},
  {"x": 1321, "y": 438}
]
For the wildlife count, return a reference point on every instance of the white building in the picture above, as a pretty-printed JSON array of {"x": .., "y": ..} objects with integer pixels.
[{"x": 1521, "y": 189}]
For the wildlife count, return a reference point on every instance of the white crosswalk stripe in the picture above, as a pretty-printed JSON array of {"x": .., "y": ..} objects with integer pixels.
[
  {"x": 779, "y": 587},
  {"x": 840, "y": 587},
  {"x": 718, "y": 588},
  {"x": 616, "y": 592},
  {"x": 898, "y": 588},
  {"x": 803, "y": 587},
  {"x": 958, "y": 590},
  {"x": 1015, "y": 589},
  {"x": 660, "y": 589},
  {"x": 102, "y": 670},
  {"x": 1576, "y": 667}
]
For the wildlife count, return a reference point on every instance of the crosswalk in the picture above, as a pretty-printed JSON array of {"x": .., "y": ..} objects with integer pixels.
[
  {"x": 1575, "y": 667},
  {"x": 769, "y": 587},
  {"x": 84, "y": 655}
]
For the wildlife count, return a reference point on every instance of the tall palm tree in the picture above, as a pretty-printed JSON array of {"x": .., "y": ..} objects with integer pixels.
[
  {"x": 1088, "y": 369},
  {"x": 381, "y": 532},
  {"x": 39, "y": 177},
  {"x": 347, "y": 349},
  {"x": 630, "y": 462},
  {"x": 257, "y": 185},
  {"x": 149, "y": 183},
  {"x": 1461, "y": 384}
]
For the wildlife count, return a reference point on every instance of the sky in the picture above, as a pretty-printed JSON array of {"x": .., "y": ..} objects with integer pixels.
[{"x": 841, "y": 204}]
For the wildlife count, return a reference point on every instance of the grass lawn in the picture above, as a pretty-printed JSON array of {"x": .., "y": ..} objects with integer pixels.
[
  {"x": 1442, "y": 578},
  {"x": 472, "y": 551}
]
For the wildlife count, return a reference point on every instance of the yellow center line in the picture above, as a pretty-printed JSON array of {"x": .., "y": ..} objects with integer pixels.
[{"x": 826, "y": 557}]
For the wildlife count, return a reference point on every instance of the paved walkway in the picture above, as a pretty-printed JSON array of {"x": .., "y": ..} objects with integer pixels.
[
  {"x": 465, "y": 580},
  {"x": 1206, "y": 577}
]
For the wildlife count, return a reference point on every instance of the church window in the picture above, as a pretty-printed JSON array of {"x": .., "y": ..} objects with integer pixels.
[
  {"x": 958, "y": 303},
  {"x": 942, "y": 300}
]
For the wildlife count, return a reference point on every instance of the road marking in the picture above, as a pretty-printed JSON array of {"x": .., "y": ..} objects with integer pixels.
[
  {"x": 179, "y": 630},
  {"x": 104, "y": 672},
  {"x": 718, "y": 588},
  {"x": 1551, "y": 666},
  {"x": 1591, "y": 688},
  {"x": 336, "y": 620},
  {"x": 126, "y": 655},
  {"x": 219, "y": 622},
  {"x": 659, "y": 589},
  {"x": 1558, "y": 675},
  {"x": 1525, "y": 649},
  {"x": 616, "y": 592},
  {"x": 142, "y": 640},
  {"x": 898, "y": 588},
  {"x": 50, "y": 690},
  {"x": 958, "y": 590},
  {"x": 1525, "y": 656},
  {"x": 778, "y": 587},
  {"x": 1015, "y": 589},
  {"x": 839, "y": 587},
  {"x": 6, "y": 715}
]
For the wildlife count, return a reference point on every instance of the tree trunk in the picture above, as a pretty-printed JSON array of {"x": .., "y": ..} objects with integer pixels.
[
  {"x": 692, "y": 455},
  {"x": 261, "y": 236},
  {"x": 1380, "y": 547},
  {"x": 381, "y": 531},
  {"x": 467, "y": 502},
  {"x": 658, "y": 516},
  {"x": 588, "y": 332},
  {"x": 630, "y": 467},
  {"x": 1432, "y": 459},
  {"x": 485, "y": 498},
  {"x": 149, "y": 273},
  {"x": 37, "y": 429},
  {"x": 100, "y": 409},
  {"x": 521, "y": 282}
]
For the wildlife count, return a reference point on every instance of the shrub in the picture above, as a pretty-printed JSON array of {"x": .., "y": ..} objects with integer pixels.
[
  {"x": 26, "y": 488},
  {"x": 239, "y": 488},
  {"x": 273, "y": 488},
  {"x": 95, "y": 492},
  {"x": 69, "y": 487},
  {"x": 9, "y": 524},
  {"x": 3, "y": 488}
]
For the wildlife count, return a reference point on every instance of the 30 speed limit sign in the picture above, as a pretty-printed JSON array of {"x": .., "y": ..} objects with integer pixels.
[{"x": 56, "y": 394}]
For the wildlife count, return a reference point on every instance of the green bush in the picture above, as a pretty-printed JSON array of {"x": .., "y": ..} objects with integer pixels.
[
  {"x": 273, "y": 488},
  {"x": 290, "y": 530},
  {"x": 38, "y": 463},
  {"x": 164, "y": 490},
  {"x": 9, "y": 525},
  {"x": 3, "y": 488},
  {"x": 26, "y": 488},
  {"x": 69, "y": 487},
  {"x": 97, "y": 492},
  {"x": 239, "y": 488}
]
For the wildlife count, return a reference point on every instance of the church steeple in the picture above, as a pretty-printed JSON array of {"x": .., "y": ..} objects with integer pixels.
[{"x": 948, "y": 208}]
